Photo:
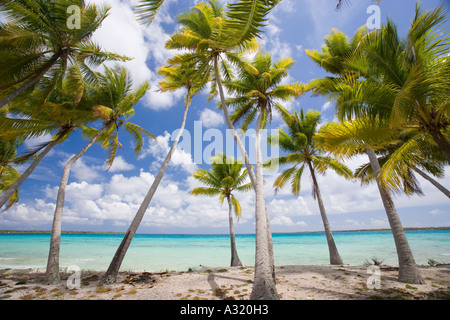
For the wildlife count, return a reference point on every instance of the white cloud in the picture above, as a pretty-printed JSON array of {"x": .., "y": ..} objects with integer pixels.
[
  {"x": 83, "y": 172},
  {"x": 289, "y": 207},
  {"x": 123, "y": 34},
  {"x": 300, "y": 49},
  {"x": 286, "y": 221},
  {"x": 159, "y": 150},
  {"x": 120, "y": 164},
  {"x": 436, "y": 212},
  {"x": 211, "y": 119},
  {"x": 115, "y": 201},
  {"x": 355, "y": 223},
  {"x": 31, "y": 143},
  {"x": 326, "y": 106},
  {"x": 379, "y": 223}
]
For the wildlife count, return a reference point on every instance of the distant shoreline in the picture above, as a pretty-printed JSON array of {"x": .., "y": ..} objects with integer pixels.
[{"x": 298, "y": 232}]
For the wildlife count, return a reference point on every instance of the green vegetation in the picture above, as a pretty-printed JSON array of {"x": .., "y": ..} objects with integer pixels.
[{"x": 391, "y": 96}]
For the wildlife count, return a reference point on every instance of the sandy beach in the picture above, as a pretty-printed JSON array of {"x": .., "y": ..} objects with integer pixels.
[{"x": 232, "y": 283}]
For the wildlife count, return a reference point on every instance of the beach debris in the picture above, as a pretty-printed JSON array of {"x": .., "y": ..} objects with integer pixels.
[{"x": 144, "y": 277}]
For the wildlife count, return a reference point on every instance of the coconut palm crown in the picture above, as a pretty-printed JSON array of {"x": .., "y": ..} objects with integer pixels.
[{"x": 38, "y": 40}]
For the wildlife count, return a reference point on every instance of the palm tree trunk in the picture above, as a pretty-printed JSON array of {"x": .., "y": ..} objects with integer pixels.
[
  {"x": 264, "y": 287},
  {"x": 408, "y": 271},
  {"x": 113, "y": 270},
  {"x": 235, "y": 261},
  {"x": 52, "y": 272},
  {"x": 251, "y": 174},
  {"x": 32, "y": 80},
  {"x": 335, "y": 258},
  {"x": 441, "y": 188},
  {"x": 10, "y": 191}
]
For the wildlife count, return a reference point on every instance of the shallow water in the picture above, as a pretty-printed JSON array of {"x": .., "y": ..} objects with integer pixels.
[{"x": 181, "y": 252}]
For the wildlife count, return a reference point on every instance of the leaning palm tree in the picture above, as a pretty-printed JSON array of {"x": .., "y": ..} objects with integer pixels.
[
  {"x": 225, "y": 177},
  {"x": 117, "y": 97},
  {"x": 8, "y": 174},
  {"x": 214, "y": 38},
  {"x": 37, "y": 40},
  {"x": 176, "y": 77},
  {"x": 407, "y": 153},
  {"x": 302, "y": 151},
  {"x": 363, "y": 135},
  {"x": 63, "y": 112}
]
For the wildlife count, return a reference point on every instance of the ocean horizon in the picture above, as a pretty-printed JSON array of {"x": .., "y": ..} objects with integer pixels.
[{"x": 180, "y": 252}]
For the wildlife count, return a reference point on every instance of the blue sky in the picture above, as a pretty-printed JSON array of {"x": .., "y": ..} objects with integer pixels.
[{"x": 100, "y": 200}]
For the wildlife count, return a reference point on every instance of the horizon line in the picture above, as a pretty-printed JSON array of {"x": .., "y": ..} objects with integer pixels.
[{"x": 215, "y": 234}]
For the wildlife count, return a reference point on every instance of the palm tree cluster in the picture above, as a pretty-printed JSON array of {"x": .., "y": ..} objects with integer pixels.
[{"x": 391, "y": 96}]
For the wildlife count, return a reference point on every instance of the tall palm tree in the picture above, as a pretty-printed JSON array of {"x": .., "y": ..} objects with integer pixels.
[
  {"x": 176, "y": 77},
  {"x": 302, "y": 151},
  {"x": 213, "y": 38},
  {"x": 361, "y": 135},
  {"x": 255, "y": 94},
  {"x": 118, "y": 99},
  {"x": 38, "y": 41},
  {"x": 63, "y": 112},
  {"x": 399, "y": 83},
  {"x": 225, "y": 177}
]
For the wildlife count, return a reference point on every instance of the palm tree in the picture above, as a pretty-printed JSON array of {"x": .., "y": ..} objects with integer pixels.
[
  {"x": 361, "y": 135},
  {"x": 176, "y": 77},
  {"x": 254, "y": 96},
  {"x": 147, "y": 9},
  {"x": 400, "y": 83},
  {"x": 38, "y": 41},
  {"x": 118, "y": 99},
  {"x": 226, "y": 175},
  {"x": 8, "y": 174},
  {"x": 407, "y": 153},
  {"x": 402, "y": 153},
  {"x": 302, "y": 151},
  {"x": 64, "y": 111},
  {"x": 214, "y": 37},
  {"x": 404, "y": 81}
]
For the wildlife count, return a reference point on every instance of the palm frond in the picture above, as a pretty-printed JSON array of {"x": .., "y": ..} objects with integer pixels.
[
  {"x": 236, "y": 205},
  {"x": 245, "y": 19},
  {"x": 204, "y": 191},
  {"x": 146, "y": 10}
]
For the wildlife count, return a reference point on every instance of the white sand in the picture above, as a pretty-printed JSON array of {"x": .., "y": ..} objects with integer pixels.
[{"x": 293, "y": 283}]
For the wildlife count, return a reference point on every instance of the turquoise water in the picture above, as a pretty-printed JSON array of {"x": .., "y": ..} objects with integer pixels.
[{"x": 181, "y": 252}]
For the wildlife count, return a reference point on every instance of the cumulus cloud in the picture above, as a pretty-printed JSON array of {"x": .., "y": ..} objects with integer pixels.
[
  {"x": 118, "y": 200},
  {"x": 123, "y": 34},
  {"x": 115, "y": 201},
  {"x": 180, "y": 158},
  {"x": 211, "y": 119},
  {"x": 120, "y": 164}
]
